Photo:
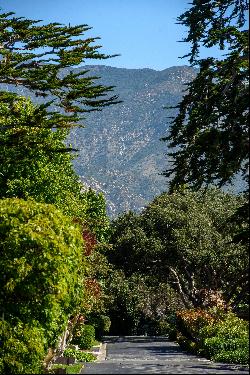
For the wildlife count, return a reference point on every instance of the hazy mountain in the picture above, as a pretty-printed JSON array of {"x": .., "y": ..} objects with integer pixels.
[{"x": 120, "y": 152}]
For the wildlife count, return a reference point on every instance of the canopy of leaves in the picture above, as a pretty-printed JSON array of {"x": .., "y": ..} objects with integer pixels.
[
  {"x": 184, "y": 239},
  {"x": 209, "y": 137},
  {"x": 139, "y": 304}
]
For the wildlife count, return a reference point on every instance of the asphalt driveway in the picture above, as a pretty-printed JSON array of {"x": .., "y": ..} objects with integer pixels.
[{"x": 153, "y": 355}]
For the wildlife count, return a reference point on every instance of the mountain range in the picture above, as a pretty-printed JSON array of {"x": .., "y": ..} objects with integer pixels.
[{"x": 120, "y": 151}]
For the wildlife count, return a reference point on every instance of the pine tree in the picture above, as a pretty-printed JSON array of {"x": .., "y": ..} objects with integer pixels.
[
  {"x": 209, "y": 136},
  {"x": 40, "y": 60}
]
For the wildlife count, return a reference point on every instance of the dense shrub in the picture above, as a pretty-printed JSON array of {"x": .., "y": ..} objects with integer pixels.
[
  {"x": 101, "y": 323},
  {"x": 22, "y": 347},
  {"x": 80, "y": 356},
  {"x": 41, "y": 255},
  {"x": 84, "y": 336},
  {"x": 240, "y": 356},
  {"x": 190, "y": 322},
  {"x": 215, "y": 334},
  {"x": 227, "y": 340},
  {"x": 42, "y": 279}
]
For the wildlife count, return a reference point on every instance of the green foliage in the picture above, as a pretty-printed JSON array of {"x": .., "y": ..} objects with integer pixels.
[
  {"x": 138, "y": 304},
  {"x": 43, "y": 251},
  {"x": 228, "y": 340},
  {"x": 184, "y": 239},
  {"x": 97, "y": 215},
  {"x": 70, "y": 369},
  {"x": 43, "y": 263},
  {"x": 209, "y": 136},
  {"x": 80, "y": 356},
  {"x": 100, "y": 322},
  {"x": 123, "y": 304},
  {"x": 240, "y": 355},
  {"x": 229, "y": 326},
  {"x": 22, "y": 347},
  {"x": 215, "y": 334},
  {"x": 84, "y": 336},
  {"x": 37, "y": 165},
  {"x": 39, "y": 58}
]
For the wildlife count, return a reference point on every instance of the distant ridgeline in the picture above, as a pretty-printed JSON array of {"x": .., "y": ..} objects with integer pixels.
[{"x": 120, "y": 152}]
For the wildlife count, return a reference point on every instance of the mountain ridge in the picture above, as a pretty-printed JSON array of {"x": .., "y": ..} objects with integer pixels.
[{"x": 120, "y": 152}]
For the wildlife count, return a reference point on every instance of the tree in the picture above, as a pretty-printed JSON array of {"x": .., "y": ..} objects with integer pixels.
[
  {"x": 43, "y": 174},
  {"x": 32, "y": 167},
  {"x": 185, "y": 239},
  {"x": 41, "y": 59},
  {"x": 209, "y": 136}
]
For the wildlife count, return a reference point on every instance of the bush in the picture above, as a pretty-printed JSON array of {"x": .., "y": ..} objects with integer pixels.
[
  {"x": 227, "y": 340},
  {"x": 84, "y": 336},
  {"x": 101, "y": 323},
  {"x": 41, "y": 283},
  {"x": 80, "y": 356},
  {"x": 240, "y": 356},
  {"x": 41, "y": 255},
  {"x": 70, "y": 369},
  {"x": 190, "y": 322},
  {"x": 216, "y": 344},
  {"x": 22, "y": 348},
  {"x": 217, "y": 335}
]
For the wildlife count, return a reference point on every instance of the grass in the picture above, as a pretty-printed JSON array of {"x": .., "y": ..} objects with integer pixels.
[
  {"x": 74, "y": 369},
  {"x": 70, "y": 369}
]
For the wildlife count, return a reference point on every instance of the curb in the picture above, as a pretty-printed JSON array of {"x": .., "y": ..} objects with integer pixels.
[{"x": 102, "y": 352}]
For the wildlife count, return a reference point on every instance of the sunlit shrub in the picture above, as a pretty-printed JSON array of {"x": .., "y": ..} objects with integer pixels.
[
  {"x": 240, "y": 356},
  {"x": 189, "y": 322},
  {"x": 227, "y": 340},
  {"x": 84, "y": 336},
  {"x": 214, "y": 334},
  {"x": 42, "y": 263},
  {"x": 41, "y": 281},
  {"x": 22, "y": 348},
  {"x": 80, "y": 356}
]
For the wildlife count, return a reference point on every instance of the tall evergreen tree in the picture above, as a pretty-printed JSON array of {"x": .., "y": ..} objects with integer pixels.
[
  {"x": 40, "y": 59},
  {"x": 209, "y": 136}
]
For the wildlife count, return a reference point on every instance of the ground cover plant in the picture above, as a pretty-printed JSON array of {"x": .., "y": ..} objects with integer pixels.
[
  {"x": 70, "y": 369},
  {"x": 79, "y": 355}
]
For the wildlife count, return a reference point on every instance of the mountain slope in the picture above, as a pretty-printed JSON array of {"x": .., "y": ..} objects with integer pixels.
[{"x": 119, "y": 149}]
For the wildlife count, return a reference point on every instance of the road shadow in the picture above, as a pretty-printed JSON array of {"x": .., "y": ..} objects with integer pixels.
[{"x": 135, "y": 339}]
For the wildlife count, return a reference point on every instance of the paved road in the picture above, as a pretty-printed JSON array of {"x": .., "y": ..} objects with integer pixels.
[{"x": 153, "y": 355}]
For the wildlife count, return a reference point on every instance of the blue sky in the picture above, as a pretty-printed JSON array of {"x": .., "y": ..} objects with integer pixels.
[{"x": 144, "y": 32}]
